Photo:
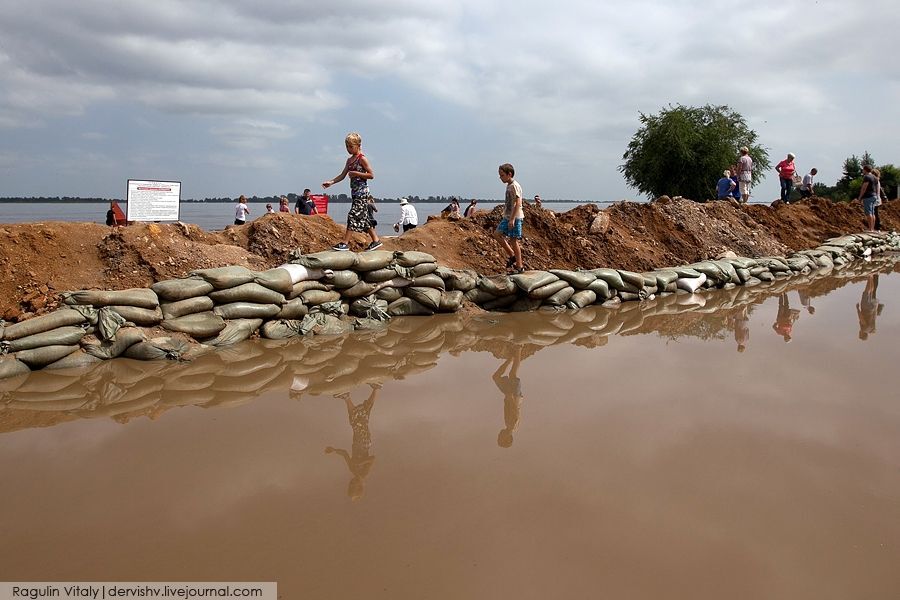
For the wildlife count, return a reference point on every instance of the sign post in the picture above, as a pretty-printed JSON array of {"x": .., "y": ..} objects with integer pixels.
[{"x": 154, "y": 200}]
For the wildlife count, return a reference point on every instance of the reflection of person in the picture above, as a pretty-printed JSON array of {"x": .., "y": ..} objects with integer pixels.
[
  {"x": 241, "y": 211},
  {"x": 745, "y": 173},
  {"x": 786, "y": 176},
  {"x": 470, "y": 209},
  {"x": 805, "y": 300},
  {"x": 360, "y": 172},
  {"x": 359, "y": 460},
  {"x": 511, "y": 386},
  {"x": 725, "y": 186},
  {"x": 784, "y": 320},
  {"x": 408, "y": 216},
  {"x": 742, "y": 328},
  {"x": 868, "y": 307}
]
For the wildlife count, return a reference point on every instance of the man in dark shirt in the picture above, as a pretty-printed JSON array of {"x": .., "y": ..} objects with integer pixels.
[
  {"x": 867, "y": 195},
  {"x": 305, "y": 204}
]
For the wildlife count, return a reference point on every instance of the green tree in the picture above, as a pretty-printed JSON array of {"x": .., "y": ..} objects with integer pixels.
[{"x": 683, "y": 150}]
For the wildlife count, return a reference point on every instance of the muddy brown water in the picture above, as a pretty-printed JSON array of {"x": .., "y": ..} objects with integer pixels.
[{"x": 627, "y": 453}]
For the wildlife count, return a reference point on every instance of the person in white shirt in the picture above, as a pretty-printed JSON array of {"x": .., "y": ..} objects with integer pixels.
[
  {"x": 241, "y": 211},
  {"x": 745, "y": 174},
  {"x": 806, "y": 188},
  {"x": 408, "y": 216}
]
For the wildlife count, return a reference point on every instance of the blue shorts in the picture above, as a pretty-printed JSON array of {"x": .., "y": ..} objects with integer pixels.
[
  {"x": 514, "y": 232},
  {"x": 869, "y": 205}
]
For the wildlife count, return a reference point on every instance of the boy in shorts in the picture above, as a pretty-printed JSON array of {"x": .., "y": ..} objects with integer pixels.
[{"x": 509, "y": 232}]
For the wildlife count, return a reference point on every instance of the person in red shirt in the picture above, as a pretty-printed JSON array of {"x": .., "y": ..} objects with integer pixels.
[{"x": 786, "y": 176}]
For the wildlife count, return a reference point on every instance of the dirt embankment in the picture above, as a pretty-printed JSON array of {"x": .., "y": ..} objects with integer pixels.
[{"x": 39, "y": 260}]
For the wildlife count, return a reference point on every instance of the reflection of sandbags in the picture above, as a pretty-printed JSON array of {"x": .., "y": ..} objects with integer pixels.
[
  {"x": 581, "y": 299},
  {"x": 431, "y": 280},
  {"x": 561, "y": 297},
  {"x": 300, "y": 273},
  {"x": 501, "y": 302},
  {"x": 373, "y": 260},
  {"x": 451, "y": 301},
  {"x": 360, "y": 289},
  {"x": 379, "y": 275},
  {"x": 412, "y": 258},
  {"x": 59, "y": 318},
  {"x": 498, "y": 285},
  {"x": 293, "y": 309},
  {"x": 281, "y": 329},
  {"x": 174, "y": 290},
  {"x": 189, "y": 382},
  {"x": 255, "y": 382},
  {"x": 124, "y": 338},
  {"x": 407, "y": 306},
  {"x": 427, "y": 297},
  {"x": 139, "y": 297},
  {"x": 276, "y": 279},
  {"x": 525, "y": 304},
  {"x": 157, "y": 349},
  {"x": 189, "y": 306},
  {"x": 199, "y": 325},
  {"x": 691, "y": 284},
  {"x": 108, "y": 323},
  {"x": 577, "y": 279},
  {"x": 38, "y": 358},
  {"x": 235, "y": 331},
  {"x": 389, "y": 294},
  {"x": 610, "y": 276},
  {"x": 248, "y": 292},
  {"x": 342, "y": 279},
  {"x": 303, "y": 286},
  {"x": 324, "y": 324},
  {"x": 329, "y": 259},
  {"x": 76, "y": 360},
  {"x": 11, "y": 367},
  {"x": 531, "y": 280},
  {"x": 139, "y": 316},
  {"x": 316, "y": 297},
  {"x": 246, "y": 310},
  {"x": 225, "y": 277},
  {"x": 545, "y": 291},
  {"x": 62, "y": 336}
]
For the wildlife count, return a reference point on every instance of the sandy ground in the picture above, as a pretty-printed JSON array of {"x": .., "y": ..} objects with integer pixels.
[{"x": 39, "y": 260}]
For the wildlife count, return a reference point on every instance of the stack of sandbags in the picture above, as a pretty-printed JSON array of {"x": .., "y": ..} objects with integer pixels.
[{"x": 43, "y": 341}]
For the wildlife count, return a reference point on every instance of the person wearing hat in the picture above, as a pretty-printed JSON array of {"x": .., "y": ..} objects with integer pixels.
[
  {"x": 408, "y": 217},
  {"x": 786, "y": 171},
  {"x": 745, "y": 173}
]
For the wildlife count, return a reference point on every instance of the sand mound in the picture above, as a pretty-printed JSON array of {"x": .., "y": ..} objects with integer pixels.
[{"x": 39, "y": 260}]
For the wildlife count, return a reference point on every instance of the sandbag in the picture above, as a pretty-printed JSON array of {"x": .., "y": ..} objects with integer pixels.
[
  {"x": 420, "y": 269},
  {"x": 498, "y": 285},
  {"x": 199, "y": 325},
  {"x": 774, "y": 264},
  {"x": 59, "y": 318},
  {"x": 389, "y": 294},
  {"x": 281, "y": 329},
  {"x": 406, "y": 307},
  {"x": 462, "y": 280},
  {"x": 766, "y": 276},
  {"x": 62, "y": 336},
  {"x": 342, "y": 279},
  {"x": 427, "y": 297},
  {"x": 412, "y": 258},
  {"x": 158, "y": 349},
  {"x": 729, "y": 273},
  {"x": 525, "y": 305},
  {"x": 561, "y": 297},
  {"x": 138, "y": 297},
  {"x": 38, "y": 358},
  {"x": 531, "y": 280},
  {"x": 664, "y": 277},
  {"x": 76, "y": 360},
  {"x": 300, "y": 273},
  {"x": 316, "y": 297},
  {"x": 276, "y": 279},
  {"x": 743, "y": 274},
  {"x": 10, "y": 366},
  {"x": 500, "y": 303},
  {"x": 577, "y": 279},
  {"x": 293, "y": 309},
  {"x": 610, "y": 276},
  {"x": 223, "y": 278},
  {"x": 139, "y": 316},
  {"x": 545, "y": 291},
  {"x": 108, "y": 323},
  {"x": 360, "y": 289},
  {"x": 713, "y": 272},
  {"x": 379, "y": 275},
  {"x": 303, "y": 286},
  {"x": 174, "y": 290},
  {"x": 451, "y": 301},
  {"x": 479, "y": 296},
  {"x": 430, "y": 280},
  {"x": 601, "y": 288},
  {"x": 582, "y": 298},
  {"x": 690, "y": 284},
  {"x": 370, "y": 308},
  {"x": 323, "y": 324},
  {"x": 235, "y": 331},
  {"x": 248, "y": 292},
  {"x": 629, "y": 296},
  {"x": 329, "y": 259},
  {"x": 189, "y": 306},
  {"x": 246, "y": 310},
  {"x": 630, "y": 278},
  {"x": 124, "y": 339},
  {"x": 373, "y": 260},
  {"x": 686, "y": 272}
]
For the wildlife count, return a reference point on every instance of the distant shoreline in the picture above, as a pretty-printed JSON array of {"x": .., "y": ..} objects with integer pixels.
[{"x": 333, "y": 200}]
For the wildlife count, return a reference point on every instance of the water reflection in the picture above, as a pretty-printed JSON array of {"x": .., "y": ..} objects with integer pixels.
[
  {"x": 125, "y": 389},
  {"x": 360, "y": 459},
  {"x": 868, "y": 307}
]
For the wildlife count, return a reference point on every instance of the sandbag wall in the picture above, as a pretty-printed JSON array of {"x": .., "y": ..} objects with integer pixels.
[
  {"x": 335, "y": 292},
  {"x": 402, "y": 348}
]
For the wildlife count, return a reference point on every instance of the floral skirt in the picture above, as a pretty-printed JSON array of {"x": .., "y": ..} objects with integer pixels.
[{"x": 358, "y": 217}]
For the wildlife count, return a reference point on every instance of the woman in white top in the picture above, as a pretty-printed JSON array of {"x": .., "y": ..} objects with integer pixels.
[{"x": 241, "y": 211}]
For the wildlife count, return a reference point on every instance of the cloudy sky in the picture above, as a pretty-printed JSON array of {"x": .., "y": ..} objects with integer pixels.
[{"x": 255, "y": 97}]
